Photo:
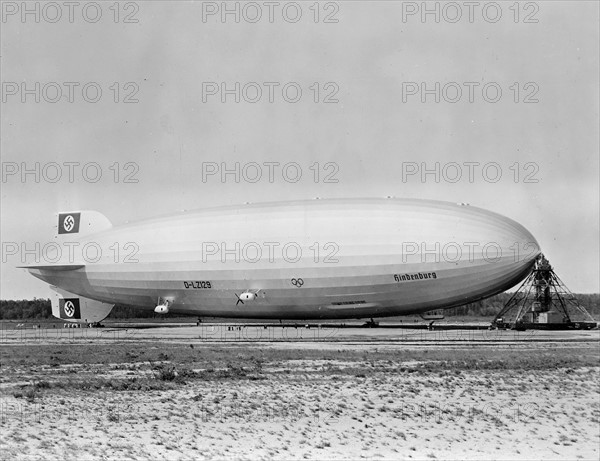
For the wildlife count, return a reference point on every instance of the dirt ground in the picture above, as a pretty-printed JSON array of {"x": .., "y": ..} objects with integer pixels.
[{"x": 201, "y": 401}]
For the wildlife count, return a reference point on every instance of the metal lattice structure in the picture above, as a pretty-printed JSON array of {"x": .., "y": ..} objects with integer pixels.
[{"x": 543, "y": 301}]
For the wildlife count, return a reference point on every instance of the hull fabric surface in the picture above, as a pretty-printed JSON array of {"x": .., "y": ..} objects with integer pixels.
[{"x": 345, "y": 258}]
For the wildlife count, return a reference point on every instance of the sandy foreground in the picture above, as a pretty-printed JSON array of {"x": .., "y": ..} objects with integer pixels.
[{"x": 305, "y": 409}]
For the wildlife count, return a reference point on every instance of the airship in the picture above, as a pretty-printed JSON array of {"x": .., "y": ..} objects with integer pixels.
[{"x": 309, "y": 259}]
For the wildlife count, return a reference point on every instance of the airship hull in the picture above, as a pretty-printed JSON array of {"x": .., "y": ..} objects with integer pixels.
[{"x": 309, "y": 259}]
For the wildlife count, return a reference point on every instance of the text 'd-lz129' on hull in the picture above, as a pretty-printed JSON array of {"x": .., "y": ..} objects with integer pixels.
[{"x": 318, "y": 259}]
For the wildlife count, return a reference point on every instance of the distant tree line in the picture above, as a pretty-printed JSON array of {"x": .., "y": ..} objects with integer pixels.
[
  {"x": 39, "y": 308},
  {"x": 491, "y": 306}
]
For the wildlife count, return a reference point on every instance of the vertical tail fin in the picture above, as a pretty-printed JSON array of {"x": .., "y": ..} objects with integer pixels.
[
  {"x": 78, "y": 309},
  {"x": 80, "y": 223}
]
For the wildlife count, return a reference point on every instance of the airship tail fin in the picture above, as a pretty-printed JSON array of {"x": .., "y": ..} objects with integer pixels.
[
  {"x": 80, "y": 223},
  {"x": 72, "y": 225},
  {"x": 77, "y": 309}
]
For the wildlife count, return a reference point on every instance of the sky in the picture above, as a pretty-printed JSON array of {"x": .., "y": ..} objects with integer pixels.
[{"x": 496, "y": 107}]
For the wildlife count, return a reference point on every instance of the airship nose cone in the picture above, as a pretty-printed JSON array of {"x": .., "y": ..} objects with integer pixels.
[
  {"x": 515, "y": 241},
  {"x": 509, "y": 250}
]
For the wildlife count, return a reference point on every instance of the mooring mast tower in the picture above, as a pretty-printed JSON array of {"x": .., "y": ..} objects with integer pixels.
[{"x": 543, "y": 301}]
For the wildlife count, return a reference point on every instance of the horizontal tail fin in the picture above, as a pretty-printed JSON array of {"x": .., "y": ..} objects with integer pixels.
[
  {"x": 78, "y": 309},
  {"x": 63, "y": 267}
]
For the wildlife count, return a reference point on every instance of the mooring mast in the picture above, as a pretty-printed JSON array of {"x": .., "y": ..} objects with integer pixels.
[{"x": 543, "y": 301}]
